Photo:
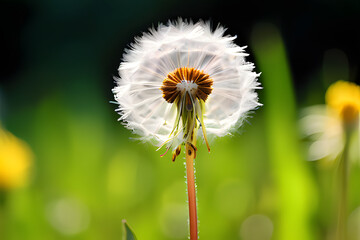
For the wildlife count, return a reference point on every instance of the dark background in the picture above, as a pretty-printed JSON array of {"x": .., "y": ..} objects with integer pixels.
[{"x": 60, "y": 38}]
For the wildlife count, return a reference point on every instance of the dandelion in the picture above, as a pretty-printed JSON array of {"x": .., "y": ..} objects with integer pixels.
[
  {"x": 344, "y": 98},
  {"x": 15, "y": 161},
  {"x": 328, "y": 126},
  {"x": 180, "y": 78},
  {"x": 331, "y": 128}
]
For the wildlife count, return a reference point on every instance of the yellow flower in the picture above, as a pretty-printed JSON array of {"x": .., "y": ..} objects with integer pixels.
[
  {"x": 15, "y": 161},
  {"x": 344, "y": 98},
  {"x": 327, "y": 126}
]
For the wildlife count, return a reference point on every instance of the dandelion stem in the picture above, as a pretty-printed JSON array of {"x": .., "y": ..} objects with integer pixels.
[
  {"x": 190, "y": 156},
  {"x": 2, "y": 212},
  {"x": 343, "y": 187}
]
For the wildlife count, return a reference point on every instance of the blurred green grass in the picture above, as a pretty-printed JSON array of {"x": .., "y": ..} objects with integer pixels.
[
  {"x": 88, "y": 175},
  {"x": 293, "y": 182}
]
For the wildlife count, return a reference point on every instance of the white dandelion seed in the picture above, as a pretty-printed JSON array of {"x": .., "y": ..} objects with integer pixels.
[
  {"x": 182, "y": 77},
  {"x": 324, "y": 129}
]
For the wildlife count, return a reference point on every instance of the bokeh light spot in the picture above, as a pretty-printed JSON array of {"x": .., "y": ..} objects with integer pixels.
[{"x": 256, "y": 227}]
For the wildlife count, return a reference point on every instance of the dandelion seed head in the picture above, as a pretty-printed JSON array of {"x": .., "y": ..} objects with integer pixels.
[{"x": 182, "y": 76}]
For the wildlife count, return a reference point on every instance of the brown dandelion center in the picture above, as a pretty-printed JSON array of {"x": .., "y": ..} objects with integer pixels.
[
  {"x": 186, "y": 80},
  {"x": 349, "y": 114}
]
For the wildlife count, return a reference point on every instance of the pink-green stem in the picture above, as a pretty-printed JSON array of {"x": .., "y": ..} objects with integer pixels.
[{"x": 190, "y": 156}]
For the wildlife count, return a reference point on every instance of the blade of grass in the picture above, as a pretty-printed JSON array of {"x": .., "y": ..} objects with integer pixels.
[
  {"x": 127, "y": 232},
  {"x": 293, "y": 182}
]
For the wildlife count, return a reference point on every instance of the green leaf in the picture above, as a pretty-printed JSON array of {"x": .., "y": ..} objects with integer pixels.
[{"x": 127, "y": 232}]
